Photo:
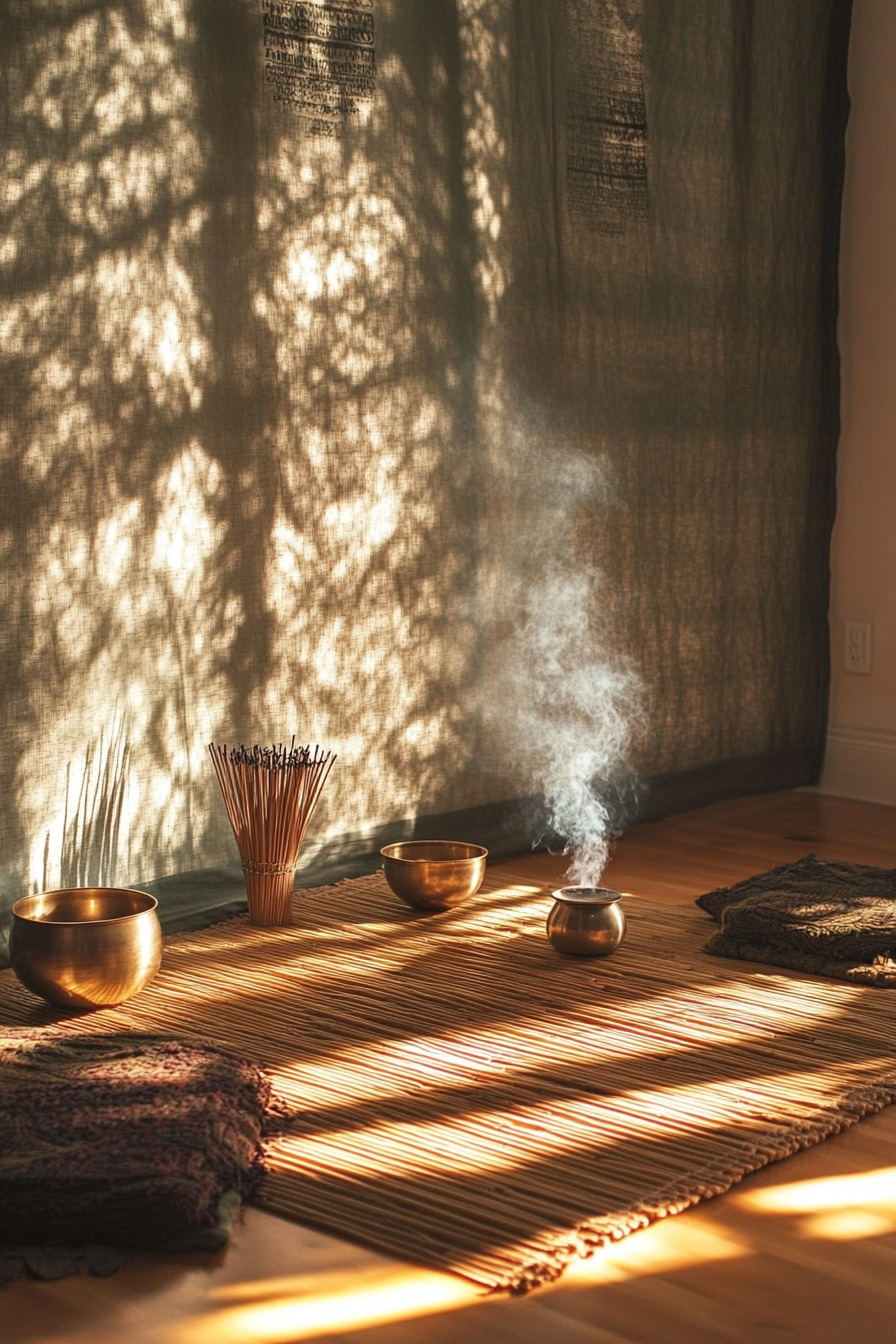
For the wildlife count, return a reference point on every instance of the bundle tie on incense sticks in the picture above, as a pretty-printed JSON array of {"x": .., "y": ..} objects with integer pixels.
[
  {"x": 266, "y": 869},
  {"x": 270, "y": 793}
]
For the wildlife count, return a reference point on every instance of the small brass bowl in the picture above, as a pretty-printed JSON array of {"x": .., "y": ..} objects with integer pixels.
[
  {"x": 86, "y": 947},
  {"x": 434, "y": 874},
  {"x": 586, "y": 921}
]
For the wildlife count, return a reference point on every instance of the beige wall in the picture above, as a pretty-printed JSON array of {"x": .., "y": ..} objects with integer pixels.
[{"x": 861, "y": 756}]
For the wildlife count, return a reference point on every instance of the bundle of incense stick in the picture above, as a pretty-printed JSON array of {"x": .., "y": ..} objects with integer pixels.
[{"x": 270, "y": 793}]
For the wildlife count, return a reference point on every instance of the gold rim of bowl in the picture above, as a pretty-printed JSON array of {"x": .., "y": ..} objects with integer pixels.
[
  {"x": 470, "y": 853},
  {"x": 20, "y": 909}
]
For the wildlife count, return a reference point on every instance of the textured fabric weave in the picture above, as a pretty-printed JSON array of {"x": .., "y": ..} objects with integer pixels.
[
  {"x": 123, "y": 1140},
  {"x": 296, "y": 426},
  {"x": 817, "y": 915},
  {"x": 606, "y": 122}
]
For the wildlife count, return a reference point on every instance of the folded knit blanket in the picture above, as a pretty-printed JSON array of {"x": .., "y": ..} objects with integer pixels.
[
  {"x": 817, "y": 915},
  {"x": 123, "y": 1141}
]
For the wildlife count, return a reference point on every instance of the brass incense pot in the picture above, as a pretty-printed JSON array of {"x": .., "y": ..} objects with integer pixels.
[
  {"x": 86, "y": 947},
  {"x": 586, "y": 921},
  {"x": 434, "y": 874}
]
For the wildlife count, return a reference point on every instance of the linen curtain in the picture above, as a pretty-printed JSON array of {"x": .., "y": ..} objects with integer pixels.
[{"x": 346, "y": 345}]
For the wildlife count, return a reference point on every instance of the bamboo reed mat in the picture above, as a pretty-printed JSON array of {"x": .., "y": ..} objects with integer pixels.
[{"x": 466, "y": 1098}]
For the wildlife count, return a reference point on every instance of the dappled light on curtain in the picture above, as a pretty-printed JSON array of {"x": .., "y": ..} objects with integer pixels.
[
  {"x": 371, "y": 573},
  {"x": 243, "y": 500},
  {"x": 319, "y": 433},
  {"x": 118, "y": 625}
]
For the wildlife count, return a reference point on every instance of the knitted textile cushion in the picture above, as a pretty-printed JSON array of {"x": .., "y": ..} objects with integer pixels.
[
  {"x": 817, "y": 915},
  {"x": 125, "y": 1140}
]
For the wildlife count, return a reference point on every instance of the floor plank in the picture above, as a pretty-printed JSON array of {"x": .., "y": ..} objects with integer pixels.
[{"x": 735, "y": 1269}]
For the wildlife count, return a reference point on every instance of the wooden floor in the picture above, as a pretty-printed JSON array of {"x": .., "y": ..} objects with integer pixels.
[{"x": 802, "y": 1253}]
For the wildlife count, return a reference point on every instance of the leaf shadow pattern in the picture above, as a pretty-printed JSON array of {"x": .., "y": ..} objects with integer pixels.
[{"x": 240, "y": 487}]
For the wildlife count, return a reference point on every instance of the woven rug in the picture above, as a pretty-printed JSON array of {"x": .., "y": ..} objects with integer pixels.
[{"x": 462, "y": 1096}]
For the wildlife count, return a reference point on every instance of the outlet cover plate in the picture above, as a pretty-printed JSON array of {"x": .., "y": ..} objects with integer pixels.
[{"x": 857, "y": 647}]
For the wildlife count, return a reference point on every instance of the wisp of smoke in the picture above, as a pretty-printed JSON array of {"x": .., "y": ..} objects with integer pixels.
[
  {"x": 575, "y": 708},
  {"x": 575, "y": 715}
]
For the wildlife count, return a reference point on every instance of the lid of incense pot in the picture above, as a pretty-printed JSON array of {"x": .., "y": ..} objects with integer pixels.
[{"x": 587, "y": 895}]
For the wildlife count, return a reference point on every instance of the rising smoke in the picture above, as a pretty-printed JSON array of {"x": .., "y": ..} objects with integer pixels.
[{"x": 572, "y": 708}]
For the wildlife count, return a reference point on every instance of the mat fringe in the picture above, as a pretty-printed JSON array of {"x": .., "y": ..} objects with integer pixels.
[{"x": 697, "y": 1187}]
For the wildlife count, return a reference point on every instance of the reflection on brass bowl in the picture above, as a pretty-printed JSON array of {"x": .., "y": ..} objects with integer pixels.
[
  {"x": 586, "y": 921},
  {"x": 86, "y": 947},
  {"x": 434, "y": 874}
]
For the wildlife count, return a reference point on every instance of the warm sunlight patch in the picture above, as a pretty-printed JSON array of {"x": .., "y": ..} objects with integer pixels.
[
  {"x": 839, "y": 1208},
  {"x": 312, "y": 1305},
  {"x": 665, "y": 1246},
  {"x": 847, "y": 1225},
  {"x": 829, "y": 1192}
]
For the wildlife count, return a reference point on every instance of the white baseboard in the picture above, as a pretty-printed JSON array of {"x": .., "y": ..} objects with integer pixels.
[{"x": 860, "y": 763}]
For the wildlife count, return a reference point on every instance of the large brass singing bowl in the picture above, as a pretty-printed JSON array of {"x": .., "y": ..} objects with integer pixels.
[
  {"x": 86, "y": 947},
  {"x": 434, "y": 874},
  {"x": 586, "y": 921}
]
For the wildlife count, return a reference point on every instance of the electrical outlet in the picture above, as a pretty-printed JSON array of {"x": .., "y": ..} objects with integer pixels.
[{"x": 857, "y": 647}]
